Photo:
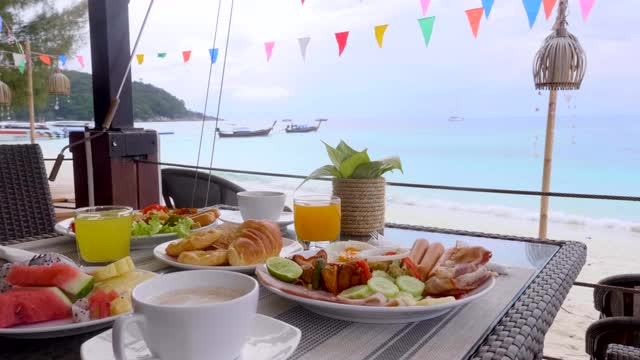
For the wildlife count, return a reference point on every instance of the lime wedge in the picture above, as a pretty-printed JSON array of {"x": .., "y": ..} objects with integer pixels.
[
  {"x": 384, "y": 286},
  {"x": 357, "y": 292},
  {"x": 283, "y": 269}
]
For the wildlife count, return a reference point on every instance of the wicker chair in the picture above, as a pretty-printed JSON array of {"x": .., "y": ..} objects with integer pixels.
[
  {"x": 177, "y": 189},
  {"x": 27, "y": 212},
  {"x": 617, "y": 334}
]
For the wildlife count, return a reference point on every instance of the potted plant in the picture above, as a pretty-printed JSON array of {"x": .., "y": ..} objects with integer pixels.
[{"x": 358, "y": 182}]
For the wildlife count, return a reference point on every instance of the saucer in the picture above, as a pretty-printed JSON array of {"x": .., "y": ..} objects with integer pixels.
[
  {"x": 234, "y": 217},
  {"x": 269, "y": 339}
]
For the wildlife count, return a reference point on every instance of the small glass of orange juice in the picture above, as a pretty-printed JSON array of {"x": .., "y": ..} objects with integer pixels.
[
  {"x": 103, "y": 233},
  {"x": 316, "y": 218}
]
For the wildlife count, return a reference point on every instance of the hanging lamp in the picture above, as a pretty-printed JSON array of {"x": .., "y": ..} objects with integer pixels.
[
  {"x": 560, "y": 64},
  {"x": 5, "y": 95},
  {"x": 59, "y": 85}
]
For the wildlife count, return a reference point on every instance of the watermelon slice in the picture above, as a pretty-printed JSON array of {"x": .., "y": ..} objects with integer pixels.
[
  {"x": 68, "y": 278},
  {"x": 31, "y": 305},
  {"x": 100, "y": 303}
]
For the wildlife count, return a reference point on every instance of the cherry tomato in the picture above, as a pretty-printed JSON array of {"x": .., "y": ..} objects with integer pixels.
[
  {"x": 391, "y": 253},
  {"x": 365, "y": 269},
  {"x": 73, "y": 227},
  {"x": 156, "y": 207}
]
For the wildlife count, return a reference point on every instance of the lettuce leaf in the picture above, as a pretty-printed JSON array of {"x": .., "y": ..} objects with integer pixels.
[{"x": 181, "y": 226}]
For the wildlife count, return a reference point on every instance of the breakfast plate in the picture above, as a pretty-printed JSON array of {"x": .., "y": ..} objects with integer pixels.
[
  {"x": 59, "y": 328},
  {"x": 289, "y": 247},
  {"x": 269, "y": 339},
  {"x": 64, "y": 228},
  {"x": 234, "y": 217}
]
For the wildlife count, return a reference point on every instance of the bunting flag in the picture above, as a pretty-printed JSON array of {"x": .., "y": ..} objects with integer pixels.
[
  {"x": 0, "y": 24},
  {"x": 304, "y": 42},
  {"x": 548, "y": 7},
  {"x": 474, "y": 16},
  {"x": 532, "y": 7},
  {"x": 45, "y": 59},
  {"x": 302, "y": 2},
  {"x": 426, "y": 25},
  {"x": 424, "y": 4},
  {"x": 18, "y": 59},
  {"x": 268, "y": 48},
  {"x": 140, "y": 58},
  {"x": 487, "y": 5},
  {"x": 585, "y": 7},
  {"x": 80, "y": 60},
  {"x": 379, "y": 31},
  {"x": 162, "y": 55},
  {"x": 62, "y": 59},
  {"x": 341, "y": 38},
  {"x": 213, "y": 54},
  {"x": 186, "y": 55},
  {"x": 22, "y": 66}
]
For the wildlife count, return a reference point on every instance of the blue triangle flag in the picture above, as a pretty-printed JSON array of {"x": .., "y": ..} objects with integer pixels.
[
  {"x": 214, "y": 55},
  {"x": 533, "y": 8},
  {"x": 63, "y": 59},
  {"x": 0, "y": 24},
  {"x": 487, "y": 5}
]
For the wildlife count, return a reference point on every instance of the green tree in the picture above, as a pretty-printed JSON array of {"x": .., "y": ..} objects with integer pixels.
[{"x": 51, "y": 29}]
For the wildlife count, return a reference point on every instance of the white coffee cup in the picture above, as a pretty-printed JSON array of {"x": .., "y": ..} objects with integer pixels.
[
  {"x": 194, "y": 332},
  {"x": 261, "y": 205}
]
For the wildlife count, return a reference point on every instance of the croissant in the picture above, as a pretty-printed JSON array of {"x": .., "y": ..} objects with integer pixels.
[{"x": 257, "y": 241}]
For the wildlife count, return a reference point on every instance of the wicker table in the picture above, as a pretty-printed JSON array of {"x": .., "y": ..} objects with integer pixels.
[{"x": 516, "y": 331}]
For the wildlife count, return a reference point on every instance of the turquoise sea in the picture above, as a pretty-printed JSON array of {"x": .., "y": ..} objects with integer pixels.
[{"x": 592, "y": 155}]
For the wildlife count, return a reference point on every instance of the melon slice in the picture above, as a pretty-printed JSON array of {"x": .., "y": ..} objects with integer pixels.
[
  {"x": 68, "y": 278},
  {"x": 123, "y": 284},
  {"x": 112, "y": 270},
  {"x": 31, "y": 305}
]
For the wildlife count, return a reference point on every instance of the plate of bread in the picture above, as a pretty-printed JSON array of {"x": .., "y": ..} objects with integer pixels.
[{"x": 228, "y": 247}]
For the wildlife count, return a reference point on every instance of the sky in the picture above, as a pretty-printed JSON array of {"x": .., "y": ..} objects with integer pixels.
[{"x": 487, "y": 76}]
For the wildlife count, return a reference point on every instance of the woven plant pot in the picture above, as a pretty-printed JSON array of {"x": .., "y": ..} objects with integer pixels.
[{"x": 362, "y": 205}]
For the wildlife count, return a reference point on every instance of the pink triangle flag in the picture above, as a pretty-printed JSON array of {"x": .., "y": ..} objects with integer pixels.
[
  {"x": 268, "y": 47},
  {"x": 586, "y": 6},
  {"x": 424, "y": 4},
  {"x": 341, "y": 38},
  {"x": 548, "y": 7},
  {"x": 302, "y": 2},
  {"x": 474, "y": 16},
  {"x": 80, "y": 60}
]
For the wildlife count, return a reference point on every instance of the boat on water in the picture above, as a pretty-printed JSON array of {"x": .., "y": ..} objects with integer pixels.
[
  {"x": 301, "y": 128},
  {"x": 455, "y": 118},
  {"x": 70, "y": 125},
  {"x": 19, "y": 131},
  {"x": 245, "y": 132}
]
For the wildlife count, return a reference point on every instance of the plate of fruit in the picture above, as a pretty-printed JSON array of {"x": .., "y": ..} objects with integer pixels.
[
  {"x": 60, "y": 299},
  {"x": 358, "y": 282}
]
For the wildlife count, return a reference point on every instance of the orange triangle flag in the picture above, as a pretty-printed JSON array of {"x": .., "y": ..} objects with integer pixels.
[
  {"x": 474, "y": 16},
  {"x": 45, "y": 59},
  {"x": 341, "y": 38},
  {"x": 548, "y": 7}
]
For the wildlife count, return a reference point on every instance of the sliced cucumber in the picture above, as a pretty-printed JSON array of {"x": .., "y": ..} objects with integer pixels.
[
  {"x": 410, "y": 284},
  {"x": 382, "y": 274},
  {"x": 435, "y": 301},
  {"x": 384, "y": 286},
  {"x": 408, "y": 298},
  {"x": 357, "y": 292}
]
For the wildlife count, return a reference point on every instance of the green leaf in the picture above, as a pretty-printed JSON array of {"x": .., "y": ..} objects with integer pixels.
[
  {"x": 345, "y": 151},
  {"x": 391, "y": 163},
  {"x": 375, "y": 169},
  {"x": 327, "y": 170},
  {"x": 351, "y": 164},
  {"x": 336, "y": 160}
]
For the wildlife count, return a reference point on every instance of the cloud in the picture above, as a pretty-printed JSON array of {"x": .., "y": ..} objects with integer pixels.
[{"x": 259, "y": 93}]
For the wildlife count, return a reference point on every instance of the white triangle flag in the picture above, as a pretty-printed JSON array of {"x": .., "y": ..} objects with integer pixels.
[
  {"x": 304, "y": 42},
  {"x": 18, "y": 59}
]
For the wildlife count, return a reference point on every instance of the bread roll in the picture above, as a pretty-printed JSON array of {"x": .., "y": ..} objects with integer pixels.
[
  {"x": 207, "y": 217},
  {"x": 204, "y": 257},
  {"x": 258, "y": 241},
  {"x": 195, "y": 241}
]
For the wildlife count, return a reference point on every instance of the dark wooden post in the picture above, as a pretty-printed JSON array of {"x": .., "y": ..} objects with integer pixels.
[{"x": 117, "y": 178}]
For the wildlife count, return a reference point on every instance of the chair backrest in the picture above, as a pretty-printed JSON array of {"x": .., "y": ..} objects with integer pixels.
[
  {"x": 26, "y": 209},
  {"x": 612, "y": 303},
  {"x": 178, "y": 185}
]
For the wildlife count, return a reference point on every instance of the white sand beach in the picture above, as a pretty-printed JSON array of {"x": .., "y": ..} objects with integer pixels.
[{"x": 611, "y": 249}]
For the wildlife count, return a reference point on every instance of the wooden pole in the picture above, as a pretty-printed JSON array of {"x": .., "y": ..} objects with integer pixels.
[
  {"x": 548, "y": 155},
  {"x": 32, "y": 120}
]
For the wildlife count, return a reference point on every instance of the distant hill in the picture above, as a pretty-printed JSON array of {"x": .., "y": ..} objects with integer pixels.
[{"x": 150, "y": 103}]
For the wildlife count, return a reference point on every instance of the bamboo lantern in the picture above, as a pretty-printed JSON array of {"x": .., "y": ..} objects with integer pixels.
[
  {"x": 59, "y": 84},
  {"x": 5, "y": 95},
  {"x": 560, "y": 64}
]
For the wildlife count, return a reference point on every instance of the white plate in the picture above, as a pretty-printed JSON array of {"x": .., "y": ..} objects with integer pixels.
[
  {"x": 380, "y": 314},
  {"x": 234, "y": 217},
  {"x": 137, "y": 242},
  {"x": 289, "y": 247},
  {"x": 269, "y": 339},
  {"x": 58, "y": 328}
]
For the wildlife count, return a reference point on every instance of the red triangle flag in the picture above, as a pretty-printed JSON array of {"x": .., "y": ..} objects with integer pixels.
[
  {"x": 186, "y": 55},
  {"x": 548, "y": 7},
  {"x": 474, "y": 16},
  {"x": 341, "y": 38},
  {"x": 45, "y": 59}
]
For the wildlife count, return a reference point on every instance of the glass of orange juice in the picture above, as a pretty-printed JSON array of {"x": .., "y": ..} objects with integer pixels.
[
  {"x": 103, "y": 233},
  {"x": 316, "y": 218}
]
